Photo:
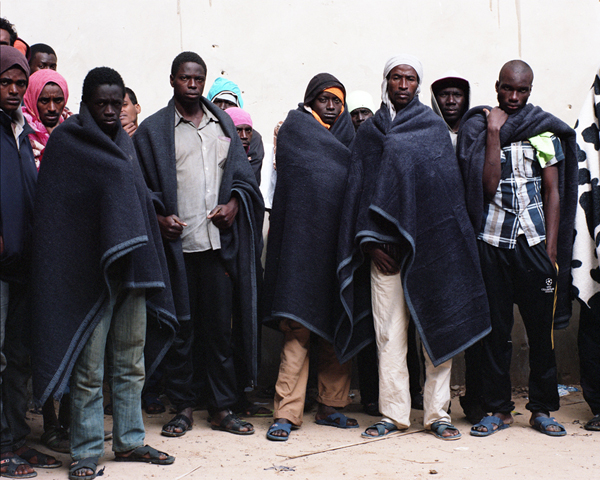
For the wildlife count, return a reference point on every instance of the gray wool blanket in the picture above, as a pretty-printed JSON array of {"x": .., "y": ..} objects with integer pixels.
[{"x": 404, "y": 188}]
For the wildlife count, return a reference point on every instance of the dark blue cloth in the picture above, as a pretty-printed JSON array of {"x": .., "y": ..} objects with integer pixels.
[
  {"x": 405, "y": 189},
  {"x": 300, "y": 279}
]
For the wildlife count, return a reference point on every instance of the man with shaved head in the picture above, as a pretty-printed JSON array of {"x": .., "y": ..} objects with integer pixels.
[{"x": 519, "y": 170}]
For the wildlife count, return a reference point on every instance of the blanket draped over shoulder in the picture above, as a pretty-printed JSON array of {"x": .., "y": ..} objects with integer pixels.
[
  {"x": 404, "y": 188},
  {"x": 241, "y": 245},
  {"x": 300, "y": 279},
  {"x": 527, "y": 123},
  {"x": 586, "y": 250},
  {"x": 94, "y": 227}
]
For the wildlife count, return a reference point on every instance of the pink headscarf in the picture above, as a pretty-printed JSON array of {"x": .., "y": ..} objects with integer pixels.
[
  {"x": 239, "y": 116},
  {"x": 37, "y": 82}
]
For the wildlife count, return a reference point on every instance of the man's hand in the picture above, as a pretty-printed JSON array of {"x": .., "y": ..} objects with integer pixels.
[
  {"x": 130, "y": 128},
  {"x": 496, "y": 118},
  {"x": 223, "y": 216},
  {"x": 170, "y": 227},
  {"x": 384, "y": 263}
]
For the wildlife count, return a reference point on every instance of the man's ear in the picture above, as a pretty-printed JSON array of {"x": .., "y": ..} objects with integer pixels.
[
  {"x": 138, "y": 109},
  {"x": 497, "y": 85},
  {"x": 171, "y": 79}
]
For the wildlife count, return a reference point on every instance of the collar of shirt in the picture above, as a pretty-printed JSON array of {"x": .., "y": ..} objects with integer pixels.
[
  {"x": 206, "y": 118},
  {"x": 17, "y": 123}
]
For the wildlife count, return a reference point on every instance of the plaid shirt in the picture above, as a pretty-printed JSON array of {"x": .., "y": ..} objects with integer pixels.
[{"x": 517, "y": 208}]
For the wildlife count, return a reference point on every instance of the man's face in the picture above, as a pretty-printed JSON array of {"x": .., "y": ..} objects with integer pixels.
[
  {"x": 51, "y": 104},
  {"x": 244, "y": 131},
  {"x": 453, "y": 103},
  {"x": 42, "y": 60},
  {"x": 188, "y": 83},
  {"x": 129, "y": 112},
  {"x": 328, "y": 107},
  {"x": 514, "y": 89},
  {"x": 4, "y": 37},
  {"x": 105, "y": 106},
  {"x": 224, "y": 104},
  {"x": 359, "y": 115},
  {"x": 13, "y": 85},
  {"x": 402, "y": 85}
]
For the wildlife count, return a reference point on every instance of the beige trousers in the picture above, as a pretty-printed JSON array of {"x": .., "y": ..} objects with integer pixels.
[
  {"x": 290, "y": 389},
  {"x": 391, "y": 318}
]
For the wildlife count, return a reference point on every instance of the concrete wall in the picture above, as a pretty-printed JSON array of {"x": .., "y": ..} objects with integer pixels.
[{"x": 272, "y": 48}]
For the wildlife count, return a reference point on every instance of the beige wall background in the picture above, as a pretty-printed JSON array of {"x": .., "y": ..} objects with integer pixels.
[{"x": 272, "y": 48}]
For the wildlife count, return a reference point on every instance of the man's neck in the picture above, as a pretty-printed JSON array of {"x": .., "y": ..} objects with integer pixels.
[{"x": 192, "y": 112}]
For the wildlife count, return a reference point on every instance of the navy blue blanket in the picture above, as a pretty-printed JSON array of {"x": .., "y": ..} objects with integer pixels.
[
  {"x": 405, "y": 188},
  {"x": 527, "y": 123},
  {"x": 312, "y": 165},
  {"x": 94, "y": 225}
]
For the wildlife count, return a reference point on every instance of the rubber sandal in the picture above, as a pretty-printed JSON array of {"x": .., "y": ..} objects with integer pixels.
[
  {"x": 330, "y": 421},
  {"x": 276, "y": 427},
  {"x": 139, "y": 455},
  {"x": 489, "y": 422},
  {"x": 11, "y": 463},
  {"x": 438, "y": 428},
  {"x": 590, "y": 425},
  {"x": 257, "y": 411},
  {"x": 90, "y": 463},
  {"x": 152, "y": 404},
  {"x": 381, "y": 428},
  {"x": 541, "y": 424},
  {"x": 179, "y": 421},
  {"x": 233, "y": 424},
  {"x": 42, "y": 459},
  {"x": 57, "y": 439}
]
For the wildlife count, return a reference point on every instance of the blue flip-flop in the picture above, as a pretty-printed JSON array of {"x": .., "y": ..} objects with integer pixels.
[
  {"x": 541, "y": 424},
  {"x": 276, "y": 427},
  {"x": 488, "y": 422},
  {"x": 330, "y": 421}
]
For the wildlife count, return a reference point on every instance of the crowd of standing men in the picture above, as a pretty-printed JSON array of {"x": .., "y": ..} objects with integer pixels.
[{"x": 139, "y": 248}]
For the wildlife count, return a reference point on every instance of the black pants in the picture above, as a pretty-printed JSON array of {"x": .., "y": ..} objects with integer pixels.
[
  {"x": 524, "y": 276},
  {"x": 203, "y": 347},
  {"x": 589, "y": 354}
]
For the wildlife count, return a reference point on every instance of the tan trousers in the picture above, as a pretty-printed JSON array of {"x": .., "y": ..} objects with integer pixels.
[
  {"x": 391, "y": 318},
  {"x": 290, "y": 389}
]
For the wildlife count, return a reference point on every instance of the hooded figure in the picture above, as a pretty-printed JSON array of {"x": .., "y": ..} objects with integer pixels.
[
  {"x": 453, "y": 92},
  {"x": 300, "y": 290}
]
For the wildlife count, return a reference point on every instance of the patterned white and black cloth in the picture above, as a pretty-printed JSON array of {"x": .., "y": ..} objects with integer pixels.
[{"x": 585, "y": 264}]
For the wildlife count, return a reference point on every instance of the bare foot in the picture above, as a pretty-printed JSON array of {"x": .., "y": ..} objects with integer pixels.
[
  {"x": 22, "y": 469},
  {"x": 174, "y": 429},
  {"x": 234, "y": 426},
  {"x": 548, "y": 428},
  {"x": 506, "y": 418},
  {"x": 280, "y": 433}
]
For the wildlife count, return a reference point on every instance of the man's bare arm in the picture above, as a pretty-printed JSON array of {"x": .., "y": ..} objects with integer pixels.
[
  {"x": 551, "y": 209},
  {"x": 492, "y": 169}
]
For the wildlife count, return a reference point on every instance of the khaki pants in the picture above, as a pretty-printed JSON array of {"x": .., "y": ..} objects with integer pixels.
[
  {"x": 290, "y": 390},
  {"x": 391, "y": 318}
]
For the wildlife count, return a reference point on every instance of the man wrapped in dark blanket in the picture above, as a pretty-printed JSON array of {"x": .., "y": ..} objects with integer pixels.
[
  {"x": 97, "y": 256},
  {"x": 300, "y": 289},
  {"x": 404, "y": 206}
]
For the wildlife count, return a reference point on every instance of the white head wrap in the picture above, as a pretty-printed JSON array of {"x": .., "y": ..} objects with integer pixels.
[
  {"x": 402, "y": 59},
  {"x": 360, "y": 99}
]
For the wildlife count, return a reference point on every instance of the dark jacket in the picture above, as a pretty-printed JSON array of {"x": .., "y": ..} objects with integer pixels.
[{"x": 18, "y": 176}]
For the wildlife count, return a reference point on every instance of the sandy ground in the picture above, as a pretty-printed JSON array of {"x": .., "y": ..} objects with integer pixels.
[{"x": 318, "y": 452}]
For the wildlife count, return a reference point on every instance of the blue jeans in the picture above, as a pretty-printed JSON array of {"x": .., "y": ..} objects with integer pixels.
[{"x": 121, "y": 333}]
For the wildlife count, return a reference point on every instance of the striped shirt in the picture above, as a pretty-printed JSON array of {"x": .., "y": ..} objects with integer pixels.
[{"x": 517, "y": 208}]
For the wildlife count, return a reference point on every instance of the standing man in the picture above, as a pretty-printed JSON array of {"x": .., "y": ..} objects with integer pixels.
[
  {"x": 360, "y": 106},
  {"x": 406, "y": 238},
  {"x": 210, "y": 213},
  {"x": 521, "y": 194},
  {"x": 42, "y": 56},
  {"x": 91, "y": 277},
  {"x": 585, "y": 251},
  {"x": 450, "y": 100},
  {"x": 17, "y": 189}
]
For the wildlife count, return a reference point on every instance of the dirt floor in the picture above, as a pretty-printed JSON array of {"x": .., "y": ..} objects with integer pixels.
[{"x": 318, "y": 452}]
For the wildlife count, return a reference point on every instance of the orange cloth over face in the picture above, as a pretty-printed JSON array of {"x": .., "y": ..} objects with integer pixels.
[{"x": 339, "y": 94}]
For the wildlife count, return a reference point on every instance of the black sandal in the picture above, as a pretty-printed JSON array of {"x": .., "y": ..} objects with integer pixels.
[
  {"x": 11, "y": 463},
  {"x": 179, "y": 421},
  {"x": 233, "y": 424},
  {"x": 90, "y": 463},
  {"x": 139, "y": 455}
]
